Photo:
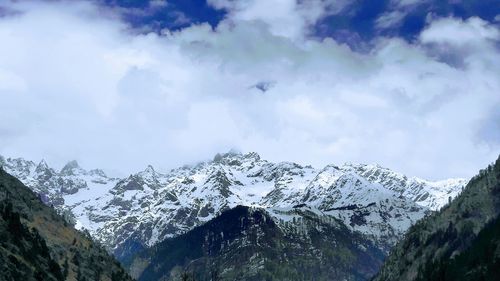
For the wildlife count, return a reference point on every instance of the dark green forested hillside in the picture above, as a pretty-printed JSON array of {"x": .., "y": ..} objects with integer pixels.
[
  {"x": 37, "y": 244},
  {"x": 247, "y": 244},
  {"x": 460, "y": 242},
  {"x": 480, "y": 261}
]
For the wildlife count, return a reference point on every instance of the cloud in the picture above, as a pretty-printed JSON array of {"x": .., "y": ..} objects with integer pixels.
[
  {"x": 459, "y": 33},
  {"x": 287, "y": 18},
  {"x": 78, "y": 84},
  {"x": 407, "y": 3},
  {"x": 396, "y": 13},
  {"x": 462, "y": 42},
  {"x": 489, "y": 131},
  {"x": 389, "y": 20}
]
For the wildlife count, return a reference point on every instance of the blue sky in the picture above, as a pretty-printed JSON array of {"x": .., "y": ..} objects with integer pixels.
[
  {"x": 172, "y": 15},
  {"x": 411, "y": 85},
  {"x": 360, "y": 20}
]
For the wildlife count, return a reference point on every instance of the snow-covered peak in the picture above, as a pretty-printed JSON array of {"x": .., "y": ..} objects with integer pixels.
[
  {"x": 149, "y": 170},
  {"x": 327, "y": 176},
  {"x": 430, "y": 194},
  {"x": 54, "y": 187},
  {"x": 236, "y": 159},
  {"x": 43, "y": 172},
  {"x": 252, "y": 155},
  {"x": 98, "y": 172},
  {"x": 149, "y": 174},
  {"x": 71, "y": 168},
  {"x": 42, "y": 166},
  {"x": 19, "y": 167}
]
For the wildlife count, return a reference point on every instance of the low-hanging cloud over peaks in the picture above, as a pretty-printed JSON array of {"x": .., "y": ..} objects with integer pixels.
[{"x": 77, "y": 84}]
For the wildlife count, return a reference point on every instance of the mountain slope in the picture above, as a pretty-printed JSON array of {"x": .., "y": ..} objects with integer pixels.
[
  {"x": 480, "y": 261},
  {"x": 448, "y": 245},
  {"x": 38, "y": 244},
  {"x": 246, "y": 243}
]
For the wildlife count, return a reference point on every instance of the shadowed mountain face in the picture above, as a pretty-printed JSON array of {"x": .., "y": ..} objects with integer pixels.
[
  {"x": 246, "y": 243},
  {"x": 38, "y": 244},
  {"x": 460, "y": 242}
]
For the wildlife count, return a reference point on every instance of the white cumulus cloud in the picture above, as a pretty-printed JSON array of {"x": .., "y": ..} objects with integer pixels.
[{"x": 78, "y": 84}]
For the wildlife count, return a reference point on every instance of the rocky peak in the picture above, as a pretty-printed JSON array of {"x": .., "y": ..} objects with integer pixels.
[
  {"x": 326, "y": 176},
  {"x": 20, "y": 168},
  {"x": 379, "y": 174},
  {"x": 98, "y": 172},
  {"x": 219, "y": 179},
  {"x": 252, "y": 155},
  {"x": 234, "y": 158},
  {"x": 146, "y": 178},
  {"x": 42, "y": 166},
  {"x": 431, "y": 194},
  {"x": 133, "y": 182},
  {"x": 275, "y": 172},
  {"x": 43, "y": 172},
  {"x": 229, "y": 158},
  {"x": 70, "y": 167},
  {"x": 149, "y": 171},
  {"x": 151, "y": 177}
]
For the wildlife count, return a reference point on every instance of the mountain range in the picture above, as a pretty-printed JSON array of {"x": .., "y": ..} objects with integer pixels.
[{"x": 136, "y": 212}]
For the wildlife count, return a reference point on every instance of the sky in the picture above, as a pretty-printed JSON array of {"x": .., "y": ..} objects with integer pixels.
[{"x": 118, "y": 84}]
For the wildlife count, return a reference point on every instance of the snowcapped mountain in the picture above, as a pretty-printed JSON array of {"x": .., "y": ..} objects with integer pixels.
[
  {"x": 69, "y": 186},
  {"x": 429, "y": 194},
  {"x": 147, "y": 207}
]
